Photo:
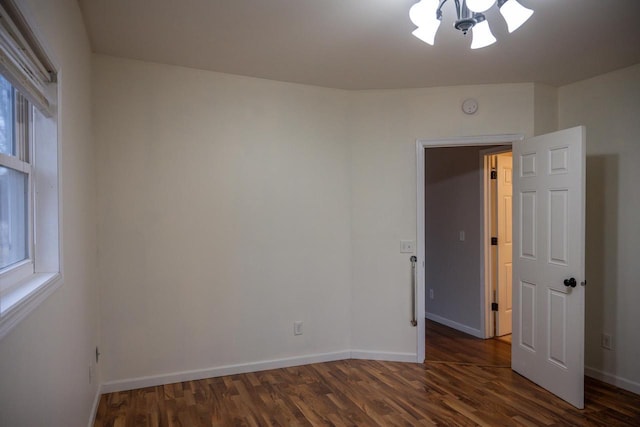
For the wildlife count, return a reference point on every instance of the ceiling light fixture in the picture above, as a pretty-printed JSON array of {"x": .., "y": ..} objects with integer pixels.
[{"x": 427, "y": 16}]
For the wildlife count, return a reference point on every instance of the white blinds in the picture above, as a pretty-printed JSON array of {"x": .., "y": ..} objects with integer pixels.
[{"x": 22, "y": 60}]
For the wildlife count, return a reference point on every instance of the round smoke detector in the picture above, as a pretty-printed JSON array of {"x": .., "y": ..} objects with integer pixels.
[{"x": 470, "y": 106}]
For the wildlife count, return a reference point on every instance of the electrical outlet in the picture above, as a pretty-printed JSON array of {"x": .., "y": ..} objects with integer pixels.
[
  {"x": 430, "y": 293},
  {"x": 606, "y": 341},
  {"x": 297, "y": 328}
]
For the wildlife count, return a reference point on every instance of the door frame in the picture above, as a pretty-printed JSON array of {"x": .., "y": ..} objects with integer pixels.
[{"x": 421, "y": 145}]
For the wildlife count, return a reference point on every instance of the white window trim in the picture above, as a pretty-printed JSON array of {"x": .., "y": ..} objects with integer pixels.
[
  {"x": 21, "y": 162},
  {"x": 14, "y": 163},
  {"x": 29, "y": 283},
  {"x": 13, "y": 274},
  {"x": 23, "y": 297}
]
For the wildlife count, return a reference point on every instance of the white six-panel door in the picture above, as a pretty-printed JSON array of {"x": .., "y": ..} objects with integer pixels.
[{"x": 548, "y": 248}]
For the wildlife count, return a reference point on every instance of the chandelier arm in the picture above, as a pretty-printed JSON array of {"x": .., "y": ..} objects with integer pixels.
[
  {"x": 458, "y": 8},
  {"x": 465, "y": 10},
  {"x": 439, "y": 9}
]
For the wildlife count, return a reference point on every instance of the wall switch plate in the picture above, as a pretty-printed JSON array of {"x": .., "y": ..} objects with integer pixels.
[
  {"x": 297, "y": 328},
  {"x": 430, "y": 293},
  {"x": 407, "y": 246},
  {"x": 462, "y": 236}
]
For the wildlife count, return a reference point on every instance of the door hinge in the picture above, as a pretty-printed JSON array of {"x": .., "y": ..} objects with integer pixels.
[
  {"x": 494, "y": 306},
  {"x": 494, "y": 241},
  {"x": 494, "y": 174}
]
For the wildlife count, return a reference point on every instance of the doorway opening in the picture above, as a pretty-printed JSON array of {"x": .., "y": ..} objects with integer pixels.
[
  {"x": 548, "y": 319},
  {"x": 463, "y": 203},
  {"x": 478, "y": 292}
]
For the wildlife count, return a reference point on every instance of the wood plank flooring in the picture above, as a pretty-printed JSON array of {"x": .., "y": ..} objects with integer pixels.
[
  {"x": 449, "y": 345},
  {"x": 454, "y": 388}
]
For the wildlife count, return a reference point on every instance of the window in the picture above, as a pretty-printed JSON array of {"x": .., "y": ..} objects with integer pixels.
[
  {"x": 29, "y": 216},
  {"x": 15, "y": 178}
]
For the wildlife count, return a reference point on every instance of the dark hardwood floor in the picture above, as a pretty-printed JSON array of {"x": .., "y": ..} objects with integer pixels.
[
  {"x": 464, "y": 382},
  {"x": 444, "y": 344}
]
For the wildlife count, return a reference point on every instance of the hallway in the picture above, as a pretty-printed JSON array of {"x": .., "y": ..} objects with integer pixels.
[{"x": 445, "y": 344}]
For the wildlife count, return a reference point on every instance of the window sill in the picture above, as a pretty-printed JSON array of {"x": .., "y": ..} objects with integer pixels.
[{"x": 22, "y": 298}]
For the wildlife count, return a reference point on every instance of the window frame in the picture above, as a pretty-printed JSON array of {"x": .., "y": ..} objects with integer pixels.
[
  {"x": 21, "y": 162},
  {"x": 26, "y": 284}
]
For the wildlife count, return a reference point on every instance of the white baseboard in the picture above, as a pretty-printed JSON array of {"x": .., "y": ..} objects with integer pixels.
[
  {"x": 243, "y": 368},
  {"x": 382, "y": 355},
  {"x": 94, "y": 407},
  {"x": 612, "y": 379},
  {"x": 455, "y": 325},
  {"x": 198, "y": 374}
]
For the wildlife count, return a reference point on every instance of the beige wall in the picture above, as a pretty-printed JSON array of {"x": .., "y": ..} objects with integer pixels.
[
  {"x": 609, "y": 107},
  {"x": 223, "y": 218},
  {"x": 384, "y": 127},
  {"x": 545, "y": 109},
  {"x": 44, "y": 361},
  {"x": 230, "y": 207}
]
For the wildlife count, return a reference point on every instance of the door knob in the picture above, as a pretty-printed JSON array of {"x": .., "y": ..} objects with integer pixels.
[{"x": 570, "y": 282}]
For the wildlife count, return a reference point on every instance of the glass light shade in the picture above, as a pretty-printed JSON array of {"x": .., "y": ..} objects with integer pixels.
[
  {"x": 515, "y": 14},
  {"x": 479, "y": 5},
  {"x": 427, "y": 33},
  {"x": 423, "y": 12},
  {"x": 482, "y": 36},
  {"x": 418, "y": 14}
]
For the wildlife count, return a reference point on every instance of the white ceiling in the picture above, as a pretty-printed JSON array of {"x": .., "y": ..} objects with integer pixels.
[{"x": 366, "y": 44}]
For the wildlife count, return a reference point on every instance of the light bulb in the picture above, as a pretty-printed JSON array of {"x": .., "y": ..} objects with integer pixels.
[
  {"x": 479, "y": 5},
  {"x": 482, "y": 36},
  {"x": 515, "y": 14}
]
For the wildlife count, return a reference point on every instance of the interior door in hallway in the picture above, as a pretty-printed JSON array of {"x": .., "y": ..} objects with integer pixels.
[{"x": 505, "y": 243}]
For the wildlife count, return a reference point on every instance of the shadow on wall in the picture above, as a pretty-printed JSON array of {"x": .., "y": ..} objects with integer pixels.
[
  {"x": 452, "y": 206},
  {"x": 601, "y": 255}
]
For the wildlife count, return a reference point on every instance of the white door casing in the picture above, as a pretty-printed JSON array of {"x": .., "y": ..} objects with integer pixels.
[
  {"x": 421, "y": 144},
  {"x": 505, "y": 243},
  {"x": 548, "y": 248}
]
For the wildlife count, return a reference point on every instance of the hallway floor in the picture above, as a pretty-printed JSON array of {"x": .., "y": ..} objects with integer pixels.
[{"x": 444, "y": 344}]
